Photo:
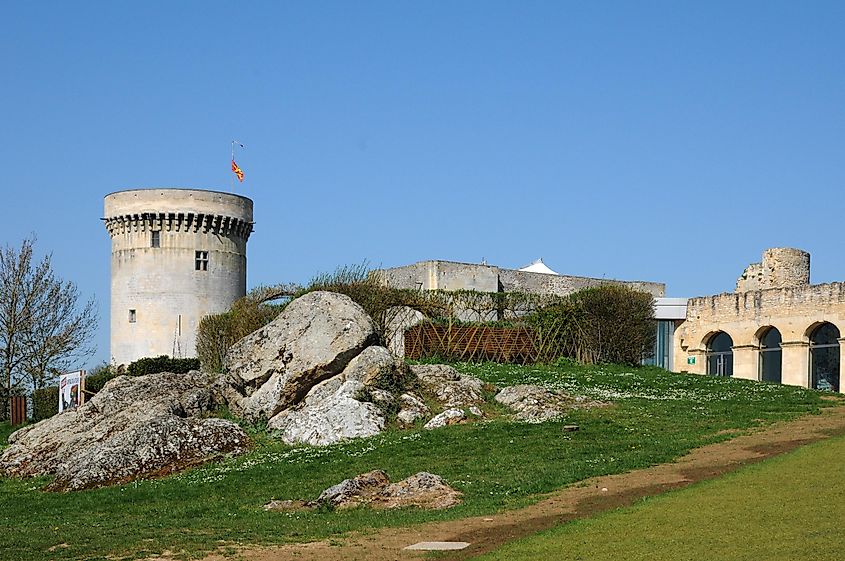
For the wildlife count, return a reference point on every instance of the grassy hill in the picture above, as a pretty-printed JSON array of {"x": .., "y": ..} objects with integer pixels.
[{"x": 656, "y": 416}]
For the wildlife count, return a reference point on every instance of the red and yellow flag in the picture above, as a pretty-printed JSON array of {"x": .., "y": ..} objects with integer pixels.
[{"x": 238, "y": 171}]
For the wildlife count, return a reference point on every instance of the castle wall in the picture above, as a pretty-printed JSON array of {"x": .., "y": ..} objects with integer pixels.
[
  {"x": 160, "y": 294},
  {"x": 448, "y": 275},
  {"x": 745, "y": 316}
]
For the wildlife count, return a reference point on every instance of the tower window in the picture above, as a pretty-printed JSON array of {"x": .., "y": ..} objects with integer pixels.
[
  {"x": 155, "y": 240},
  {"x": 201, "y": 261},
  {"x": 132, "y": 316}
]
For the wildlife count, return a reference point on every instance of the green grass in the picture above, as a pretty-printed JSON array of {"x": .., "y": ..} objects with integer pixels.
[
  {"x": 5, "y": 430},
  {"x": 788, "y": 508},
  {"x": 657, "y": 416}
]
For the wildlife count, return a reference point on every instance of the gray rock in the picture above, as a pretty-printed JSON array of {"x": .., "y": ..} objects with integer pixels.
[
  {"x": 535, "y": 404},
  {"x": 360, "y": 489},
  {"x": 397, "y": 320},
  {"x": 448, "y": 417},
  {"x": 313, "y": 339},
  {"x": 371, "y": 365},
  {"x": 411, "y": 408},
  {"x": 134, "y": 427},
  {"x": 448, "y": 386},
  {"x": 475, "y": 410},
  {"x": 330, "y": 413},
  {"x": 424, "y": 490}
]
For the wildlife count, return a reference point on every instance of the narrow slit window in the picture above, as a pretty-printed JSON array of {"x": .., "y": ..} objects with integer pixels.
[
  {"x": 201, "y": 261},
  {"x": 132, "y": 316},
  {"x": 155, "y": 240}
]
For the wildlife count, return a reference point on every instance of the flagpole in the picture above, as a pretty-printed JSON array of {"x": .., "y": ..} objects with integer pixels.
[{"x": 233, "y": 159}]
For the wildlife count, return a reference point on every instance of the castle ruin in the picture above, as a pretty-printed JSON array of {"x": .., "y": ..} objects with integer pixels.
[{"x": 775, "y": 327}]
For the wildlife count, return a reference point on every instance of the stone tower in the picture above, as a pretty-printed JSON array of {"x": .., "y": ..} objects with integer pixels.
[
  {"x": 177, "y": 255},
  {"x": 781, "y": 267}
]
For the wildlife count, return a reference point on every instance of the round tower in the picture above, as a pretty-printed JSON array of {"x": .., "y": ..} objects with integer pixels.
[
  {"x": 177, "y": 255},
  {"x": 786, "y": 267}
]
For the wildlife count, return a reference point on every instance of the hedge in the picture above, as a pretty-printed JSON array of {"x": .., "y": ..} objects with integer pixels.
[{"x": 163, "y": 363}]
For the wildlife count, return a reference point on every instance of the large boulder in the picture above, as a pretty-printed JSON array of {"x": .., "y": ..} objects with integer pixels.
[
  {"x": 134, "y": 427},
  {"x": 313, "y": 339},
  {"x": 329, "y": 413},
  {"x": 448, "y": 386}
]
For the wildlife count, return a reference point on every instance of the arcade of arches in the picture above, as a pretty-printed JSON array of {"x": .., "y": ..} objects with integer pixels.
[{"x": 789, "y": 336}]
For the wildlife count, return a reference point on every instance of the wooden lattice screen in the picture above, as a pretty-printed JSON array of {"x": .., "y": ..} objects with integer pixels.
[{"x": 471, "y": 343}]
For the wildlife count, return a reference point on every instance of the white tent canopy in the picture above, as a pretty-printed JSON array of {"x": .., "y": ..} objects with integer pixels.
[{"x": 538, "y": 267}]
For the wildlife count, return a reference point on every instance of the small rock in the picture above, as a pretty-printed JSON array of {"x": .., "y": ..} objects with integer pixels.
[
  {"x": 536, "y": 404},
  {"x": 475, "y": 410},
  {"x": 353, "y": 492},
  {"x": 423, "y": 489},
  {"x": 381, "y": 397},
  {"x": 571, "y": 428},
  {"x": 448, "y": 417},
  {"x": 448, "y": 386},
  {"x": 412, "y": 409}
]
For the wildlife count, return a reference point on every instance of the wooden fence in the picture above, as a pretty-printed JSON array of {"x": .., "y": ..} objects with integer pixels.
[
  {"x": 471, "y": 343},
  {"x": 17, "y": 407}
]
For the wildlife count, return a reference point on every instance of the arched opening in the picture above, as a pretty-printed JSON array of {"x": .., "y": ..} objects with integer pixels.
[
  {"x": 824, "y": 358},
  {"x": 720, "y": 356},
  {"x": 770, "y": 356}
]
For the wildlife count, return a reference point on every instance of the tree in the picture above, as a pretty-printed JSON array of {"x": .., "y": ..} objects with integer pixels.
[{"x": 43, "y": 328}]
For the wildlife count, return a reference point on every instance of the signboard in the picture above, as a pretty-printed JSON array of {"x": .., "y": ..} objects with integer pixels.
[
  {"x": 70, "y": 390},
  {"x": 690, "y": 360}
]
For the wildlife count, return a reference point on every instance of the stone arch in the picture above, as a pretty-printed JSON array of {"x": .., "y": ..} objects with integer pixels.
[
  {"x": 770, "y": 357},
  {"x": 719, "y": 354},
  {"x": 824, "y": 356}
]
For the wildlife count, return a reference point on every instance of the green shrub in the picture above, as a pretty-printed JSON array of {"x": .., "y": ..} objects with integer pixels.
[
  {"x": 163, "y": 363},
  {"x": 45, "y": 403},
  {"x": 218, "y": 332},
  {"x": 606, "y": 324}
]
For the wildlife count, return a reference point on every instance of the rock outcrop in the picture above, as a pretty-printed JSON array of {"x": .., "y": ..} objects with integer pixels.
[
  {"x": 411, "y": 409},
  {"x": 329, "y": 413},
  {"x": 313, "y": 339},
  {"x": 423, "y": 490},
  {"x": 448, "y": 386},
  {"x": 446, "y": 418},
  {"x": 134, "y": 427},
  {"x": 536, "y": 404}
]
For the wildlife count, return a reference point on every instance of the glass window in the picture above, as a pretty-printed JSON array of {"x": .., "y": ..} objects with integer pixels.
[
  {"x": 155, "y": 239},
  {"x": 770, "y": 362},
  {"x": 720, "y": 359},
  {"x": 201, "y": 261},
  {"x": 132, "y": 316},
  {"x": 824, "y": 358}
]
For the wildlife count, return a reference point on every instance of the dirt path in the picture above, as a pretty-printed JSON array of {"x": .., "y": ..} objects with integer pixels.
[{"x": 582, "y": 500}]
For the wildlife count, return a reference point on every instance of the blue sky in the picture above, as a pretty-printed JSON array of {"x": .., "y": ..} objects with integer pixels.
[{"x": 666, "y": 141}]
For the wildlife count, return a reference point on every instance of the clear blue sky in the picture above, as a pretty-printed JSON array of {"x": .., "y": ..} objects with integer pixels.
[{"x": 664, "y": 141}]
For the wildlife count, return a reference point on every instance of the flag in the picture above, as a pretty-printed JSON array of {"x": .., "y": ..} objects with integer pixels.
[{"x": 238, "y": 171}]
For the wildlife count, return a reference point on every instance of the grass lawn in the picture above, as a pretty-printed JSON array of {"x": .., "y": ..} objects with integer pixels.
[
  {"x": 657, "y": 416},
  {"x": 788, "y": 508}
]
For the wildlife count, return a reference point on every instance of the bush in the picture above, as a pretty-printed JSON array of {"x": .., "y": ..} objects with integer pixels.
[
  {"x": 45, "y": 403},
  {"x": 218, "y": 332},
  {"x": 609, "y": 324},
  {"x": 163, "y": 363}
]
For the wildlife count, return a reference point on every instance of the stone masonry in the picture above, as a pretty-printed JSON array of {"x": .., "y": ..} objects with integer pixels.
[
  {"x": 774, "y": 293},
  {"x": 449, "y": 275}
]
